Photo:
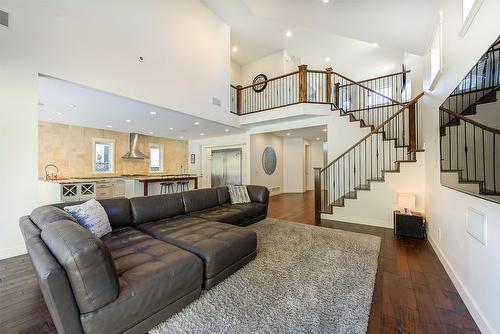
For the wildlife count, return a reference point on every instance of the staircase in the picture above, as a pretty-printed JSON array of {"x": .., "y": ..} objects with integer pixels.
[
  {"x": 469, "y": 130},
  {"x": 392, "y": 141}
]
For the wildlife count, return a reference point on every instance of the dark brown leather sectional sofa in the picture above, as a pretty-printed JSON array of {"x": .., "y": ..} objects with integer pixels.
[{"x": 160, "y": 254}]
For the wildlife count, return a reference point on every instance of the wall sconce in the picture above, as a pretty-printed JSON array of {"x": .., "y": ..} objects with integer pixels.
[{"x": 406, "y": 203}]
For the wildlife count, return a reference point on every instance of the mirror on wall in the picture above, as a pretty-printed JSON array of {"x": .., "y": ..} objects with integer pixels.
[
  {"x": 469, "y": 124},
  {"x": 269, "y": 160}
]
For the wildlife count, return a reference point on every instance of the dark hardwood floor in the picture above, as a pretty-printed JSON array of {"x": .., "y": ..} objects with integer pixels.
[{"x": 413, "y": 293}]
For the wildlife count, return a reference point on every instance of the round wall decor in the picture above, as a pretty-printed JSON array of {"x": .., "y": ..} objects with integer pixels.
[
  {"x": 269, "y": 160},
  {"x": 259, "y": 83}
]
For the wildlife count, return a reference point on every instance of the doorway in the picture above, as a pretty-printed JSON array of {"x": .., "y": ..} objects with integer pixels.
[{"x": 226, "y": 167}]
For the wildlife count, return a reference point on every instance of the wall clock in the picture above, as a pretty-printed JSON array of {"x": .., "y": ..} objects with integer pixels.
[{"x": 259, "y": 83}]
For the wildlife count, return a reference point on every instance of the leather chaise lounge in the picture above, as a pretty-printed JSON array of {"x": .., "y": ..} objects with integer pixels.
[{"x": 162, "y": 251}]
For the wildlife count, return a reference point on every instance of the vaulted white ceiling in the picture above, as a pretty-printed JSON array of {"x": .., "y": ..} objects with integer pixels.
[{"x": 258, "y": 26}]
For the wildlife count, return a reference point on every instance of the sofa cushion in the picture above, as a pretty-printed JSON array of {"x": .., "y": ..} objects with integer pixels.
[
  {"x": 238, "y": 194},
  {"x": 87, "y": 263},
  {"x": 219, "y": 245},
  {"x": 92, "y": 216},
  {"x": 223, "y": 195},
  {"x": 200, "y": 199},
  {"x": 152, "y": 275},
  {"x": 117, "y": 209},
  {"x": 48, "y": 214},
  {"x": 250, "y": 210},
  {"x": 152, "y": 208},
  {"x": 221, "y": 214}
]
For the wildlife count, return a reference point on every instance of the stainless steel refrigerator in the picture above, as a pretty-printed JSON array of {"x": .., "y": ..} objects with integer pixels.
[{"x": 226, "y": 167}]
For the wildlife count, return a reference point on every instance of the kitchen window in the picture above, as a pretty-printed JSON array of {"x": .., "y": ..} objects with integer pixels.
[
  {"x": 155, "y": 158},
  {"x": 103, "y": 155}
]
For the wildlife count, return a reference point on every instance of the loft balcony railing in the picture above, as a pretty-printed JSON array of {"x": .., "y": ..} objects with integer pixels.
[{"x": 365, "y": 99}]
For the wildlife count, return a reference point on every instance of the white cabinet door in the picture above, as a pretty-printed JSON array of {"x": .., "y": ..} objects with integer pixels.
[{"x": 119, "y": 189}]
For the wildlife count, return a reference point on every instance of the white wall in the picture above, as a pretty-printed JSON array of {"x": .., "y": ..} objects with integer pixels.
[
  {"x": 474, "y": 268},
  {"x": 94, "y": 43},
  {"x": 293, "y": 162},
  {"x": 272, "y": 66},
  {"x": 258, "y": 143},
  {"x": 235, "y": 74},
  {"x": 316, "y": 159}
]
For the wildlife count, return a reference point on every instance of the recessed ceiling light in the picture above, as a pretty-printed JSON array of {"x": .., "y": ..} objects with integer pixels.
[
  {"x": 226, "y": 130},
  {"x": 288, "y": 33},
  {"x": 324, "y": 130},
  {"x": 59, "y": 113},
  {"x": 325, "y": 1},
  {"x": 181, "y": 137},
  {"x": 51, "y": 119},
  {"x": 235, "y": 49},
  {"x": 318, "y": 138},
  {"x": 196, "y": 123},
  {"x": 109, "y": 126},
  {"x": 71, "y": 105},
  {"x": 202, "y": 134},
  {"x": 170, "y": 129},
  {"x": 288, "y": 134},
  {"x": 150, "y": 132},
  {"x": 153, "y": 112},
  {"x": 375, "y": 44},
  {"x": 128, "y": 120},
  {"x": 328, "y": 59}
]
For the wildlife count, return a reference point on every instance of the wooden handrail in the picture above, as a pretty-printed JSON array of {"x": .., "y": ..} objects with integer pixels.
[
  {"x": 272, "y": 79},
  {"x": 413, "y": 101},
  {"x": 380, "y": 77},
  {"x": 465, "y": 119},
  {"x": 369, "y": 89}
]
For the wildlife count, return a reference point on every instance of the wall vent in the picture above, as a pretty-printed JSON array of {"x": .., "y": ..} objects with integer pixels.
[
  {"x": 216, "y": 101},
  {"x": 4, "y": 18}
]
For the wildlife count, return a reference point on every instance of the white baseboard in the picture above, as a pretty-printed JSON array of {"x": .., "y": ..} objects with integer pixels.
[
  {"x": 357, "y": 220},
  {"x": 11, "y": 252},
  {"x": 469, "y": 302}
]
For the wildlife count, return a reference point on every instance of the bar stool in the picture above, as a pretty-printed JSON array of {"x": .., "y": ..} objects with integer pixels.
[
  {"x": 167, "y": 187},
  {"x": 183, "y": 184}
]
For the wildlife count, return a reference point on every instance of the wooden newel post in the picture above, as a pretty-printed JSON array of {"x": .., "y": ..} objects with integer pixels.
[
  {"x": 337, "y": 95},
  {"x": 317, "y": 196},
  {"x": 412, "y": 127},
  {"x": 329, "y": 71},
  {"x": 302, "y": 83},
  {"x": 238, "y": 99}
]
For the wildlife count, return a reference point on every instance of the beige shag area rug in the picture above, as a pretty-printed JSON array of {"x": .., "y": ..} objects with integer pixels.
[{"x": 305, "y": 279}]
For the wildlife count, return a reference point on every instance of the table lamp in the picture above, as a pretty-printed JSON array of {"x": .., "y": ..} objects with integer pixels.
[{"x": 406, "y": 203}]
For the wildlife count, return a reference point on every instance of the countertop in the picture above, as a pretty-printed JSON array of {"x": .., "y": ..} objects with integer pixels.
[{"x": 116, "y": 178}]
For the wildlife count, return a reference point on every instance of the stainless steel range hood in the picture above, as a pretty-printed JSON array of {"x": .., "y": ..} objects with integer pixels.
[{"x": 134, "y": 152}]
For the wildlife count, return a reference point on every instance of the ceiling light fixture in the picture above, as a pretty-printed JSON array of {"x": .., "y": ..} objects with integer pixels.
[
  {"x": 181, "y": 137},
  {"x": 153, "y": 112},
  {"x": 325, "y": 1},
  {"x": 288, "y": 134},
  {"x": 170, "y": 129},
  {"x": 71, "y": 105},
  {"x": 288, "y": 33},
  {"x": 128, "y": 120},
  {"x": 375, "y": 44},
  {"x": 196, "y": 123},
  {"x": 109, "y": 126},
  {"x": 202, "y": 134},
  {"x": 226, "y": 130},
  {"x": 235, "y": 49},
  {"x": 318, "y": 138},
  {"x": 150, "y": 132},
  {"x": 328, "y": 59},
  {"x": 324, "y": 130},
  {"x": 51, "y": 119},
  {"x": 59, "y": 113}
]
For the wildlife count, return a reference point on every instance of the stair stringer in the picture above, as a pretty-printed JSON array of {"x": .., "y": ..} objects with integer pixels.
[{"x": 375, "y": 206}]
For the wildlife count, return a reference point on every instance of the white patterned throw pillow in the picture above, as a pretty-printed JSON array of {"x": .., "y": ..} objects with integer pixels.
[
  {"x": 92, "y": 216},
  {"x": 238, "y": 194}
]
